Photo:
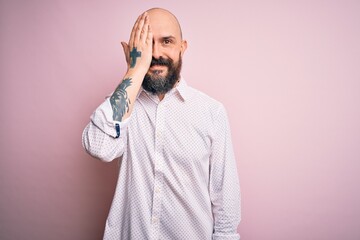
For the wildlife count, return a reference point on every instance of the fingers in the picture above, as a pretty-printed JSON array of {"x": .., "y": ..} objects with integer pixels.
[
  {"x": 139, "y": 50},
  {"x": 140, "y": 30},
  {"x": 133, "y": 32},
  {"x": 149, "y": 37},
  {"x": 132, "y": 35}
]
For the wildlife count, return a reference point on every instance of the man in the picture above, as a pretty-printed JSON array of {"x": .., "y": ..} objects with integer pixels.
[{"x": 178, "y": 177}]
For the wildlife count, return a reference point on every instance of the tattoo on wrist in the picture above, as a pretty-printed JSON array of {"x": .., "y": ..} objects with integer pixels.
[
  {"x": 119, "y": 100},
  {"x": 134, "y": 54}
]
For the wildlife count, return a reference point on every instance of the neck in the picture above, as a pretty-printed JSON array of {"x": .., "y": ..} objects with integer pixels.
[{"x": 161, "y": 96}]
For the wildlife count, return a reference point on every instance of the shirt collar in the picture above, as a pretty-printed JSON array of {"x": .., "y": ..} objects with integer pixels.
[{"x": 183, "y": 89}]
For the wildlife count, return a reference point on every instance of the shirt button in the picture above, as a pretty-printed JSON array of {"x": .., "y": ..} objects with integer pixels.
[
  {"x": 157, "y": 190},
  {"x": 154, "y": 220}
]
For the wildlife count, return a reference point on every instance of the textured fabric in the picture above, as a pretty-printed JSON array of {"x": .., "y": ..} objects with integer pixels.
[{"x": 177, "y": 177}]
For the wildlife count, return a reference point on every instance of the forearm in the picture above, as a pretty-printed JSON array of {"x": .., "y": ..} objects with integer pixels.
[
  {"x": 224, "y": 182},
  {"x": 123, "y": 99},
  {"x": 226, "y": 211},
  {"x": 138, "y": 56},
  {"x": 226, "y": 203}
]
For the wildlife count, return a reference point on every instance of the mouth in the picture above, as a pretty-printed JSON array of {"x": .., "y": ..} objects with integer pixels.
[{"x": 157, "y": 69}]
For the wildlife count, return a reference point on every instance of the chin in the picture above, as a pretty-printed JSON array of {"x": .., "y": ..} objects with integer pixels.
[{"x": 157, "y": 73}]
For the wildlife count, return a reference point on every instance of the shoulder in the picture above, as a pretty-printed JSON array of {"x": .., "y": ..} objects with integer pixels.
[
  {"x": 200, "y": 98},
  {"x": 207, "y": 107}
]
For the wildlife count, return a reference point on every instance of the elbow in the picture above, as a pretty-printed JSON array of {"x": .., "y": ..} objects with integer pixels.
[
  {"x": 96, "y": 152},
  {"x": 99, "y": 147}
]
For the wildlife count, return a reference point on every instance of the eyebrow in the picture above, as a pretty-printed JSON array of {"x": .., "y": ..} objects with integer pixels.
[{"x": 168, "y": 37}]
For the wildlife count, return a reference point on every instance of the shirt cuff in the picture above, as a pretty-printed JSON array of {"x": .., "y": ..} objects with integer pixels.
[
  {"x": 225, "y": 237},
  {"x": 103, "y": 119}
]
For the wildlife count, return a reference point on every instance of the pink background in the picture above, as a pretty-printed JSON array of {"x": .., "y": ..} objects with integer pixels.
[{"x": 287, "y": 71}]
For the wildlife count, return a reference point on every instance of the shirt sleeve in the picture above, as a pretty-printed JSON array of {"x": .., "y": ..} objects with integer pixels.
[
  {"x": 224, "y": 185},
  {"x": 100, "y": 137}
]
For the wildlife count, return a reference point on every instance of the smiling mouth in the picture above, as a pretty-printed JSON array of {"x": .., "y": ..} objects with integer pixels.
[
  {"x": 158, "y": 66},
  {"x": 157, "y": 72},
  {"x": 157, "y": 69}
]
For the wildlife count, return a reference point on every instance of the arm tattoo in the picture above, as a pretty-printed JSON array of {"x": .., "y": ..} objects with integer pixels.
[
  {"x": 134, "y": 54},
  {"x": 119, "y": 100}
]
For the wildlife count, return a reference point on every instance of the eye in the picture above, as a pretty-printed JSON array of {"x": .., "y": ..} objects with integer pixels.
[{"x": 167, "y": 41}]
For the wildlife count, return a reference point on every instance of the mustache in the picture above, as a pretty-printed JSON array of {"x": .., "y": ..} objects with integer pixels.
[{"x": 161, "y": 62}]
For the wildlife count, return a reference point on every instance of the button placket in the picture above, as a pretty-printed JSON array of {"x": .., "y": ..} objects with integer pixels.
[{"x": 158, "y": 174}]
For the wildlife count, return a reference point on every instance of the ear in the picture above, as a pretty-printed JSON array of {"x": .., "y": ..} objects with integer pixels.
[{"x": 183, "y": 47}]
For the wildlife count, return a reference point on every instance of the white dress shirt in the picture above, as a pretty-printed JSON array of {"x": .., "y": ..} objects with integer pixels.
[{"x": 178, "y": 177}]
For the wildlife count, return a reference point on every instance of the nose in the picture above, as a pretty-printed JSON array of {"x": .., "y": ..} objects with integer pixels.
[{"x": 156, "y": 51}]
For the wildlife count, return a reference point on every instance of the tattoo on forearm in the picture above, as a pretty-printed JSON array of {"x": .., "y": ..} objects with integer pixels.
[
  {"x": 134, "y": 54},
  {"x": 119, "y": 100}
]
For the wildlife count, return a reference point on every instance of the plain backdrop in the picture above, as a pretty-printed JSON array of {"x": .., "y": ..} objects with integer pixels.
[{"x": 288, "y": 73}]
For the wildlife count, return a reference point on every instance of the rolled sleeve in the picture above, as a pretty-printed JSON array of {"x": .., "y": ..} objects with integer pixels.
[
  {"x": 103, "y": 119},
  {"x": 100, "y": 138}
]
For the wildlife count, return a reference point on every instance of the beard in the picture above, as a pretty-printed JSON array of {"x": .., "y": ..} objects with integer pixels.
[{"x": 157, "y": 84}]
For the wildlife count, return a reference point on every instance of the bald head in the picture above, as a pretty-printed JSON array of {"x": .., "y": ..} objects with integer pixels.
[{"x": 162, "y": 18}]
